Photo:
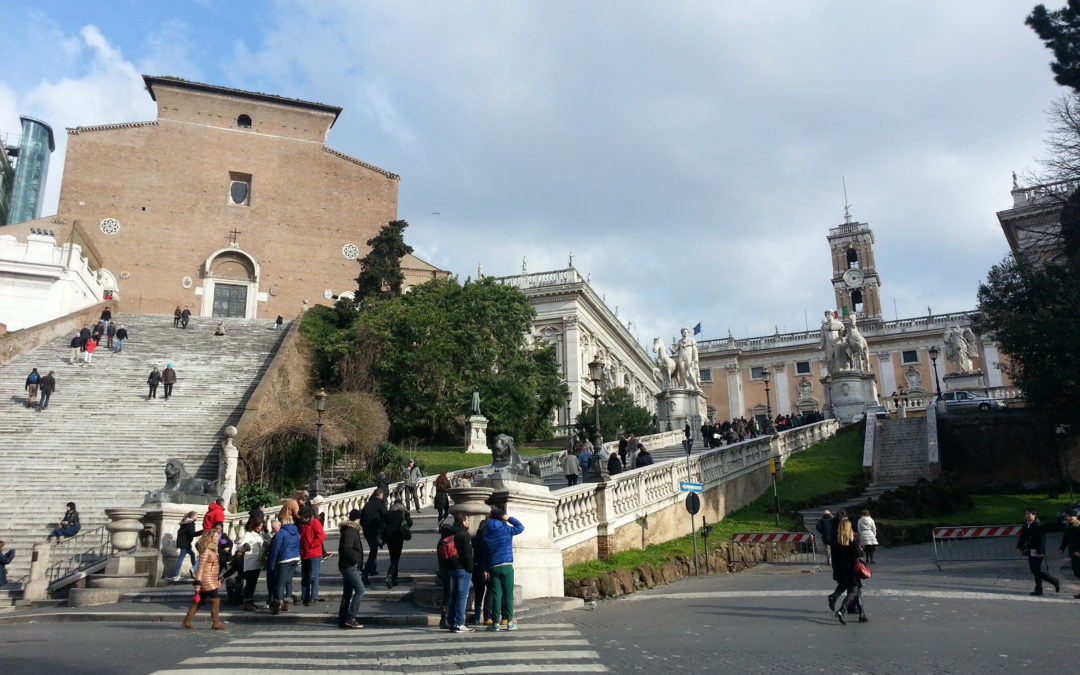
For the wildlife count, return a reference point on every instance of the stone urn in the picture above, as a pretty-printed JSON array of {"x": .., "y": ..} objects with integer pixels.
[
  {"x": 124, "y": 527},
  {"x": 472, "y": 501}
]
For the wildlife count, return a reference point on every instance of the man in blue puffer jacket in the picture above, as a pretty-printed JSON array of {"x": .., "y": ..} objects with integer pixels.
[
  {"x": 499, "y": 563},
  {"x": 281, "y": 563}
]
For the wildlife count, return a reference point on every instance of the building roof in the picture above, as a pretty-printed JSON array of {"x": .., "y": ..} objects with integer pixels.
[
  {"x": 151, "y": 80},
  {"x": 411, "y": 262}
]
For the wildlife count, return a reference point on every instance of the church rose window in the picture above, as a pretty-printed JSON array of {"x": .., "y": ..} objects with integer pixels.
[
  {"x": 110, "y": 226},
  {"x": 350, "y": 251}
]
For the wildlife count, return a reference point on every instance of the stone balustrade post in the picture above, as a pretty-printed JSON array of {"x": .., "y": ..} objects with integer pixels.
[
  {"x": 38, "y": 586},
  {"x": 604, "y": 497}
]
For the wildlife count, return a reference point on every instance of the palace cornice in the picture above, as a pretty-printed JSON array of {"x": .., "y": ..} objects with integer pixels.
[
  {"x": 75, "y": 131},
  {"x": 341, "y": 155}
]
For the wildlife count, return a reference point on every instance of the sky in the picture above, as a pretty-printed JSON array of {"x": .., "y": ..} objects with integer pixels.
[{"x": 690, "y": 153}]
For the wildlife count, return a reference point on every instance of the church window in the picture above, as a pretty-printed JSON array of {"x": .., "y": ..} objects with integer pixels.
[
  {"x": 909, "y": 356},
  {"x": 243, "y": 121},
  {"x": 857, "y": 301},
  {"x": 756, "y": 372},
  {"x": 852, "y": 258},
  {"x": 802, "y": 367},
  {"x": 705, "y": 374},
  {"x": 239, "y": 188}
]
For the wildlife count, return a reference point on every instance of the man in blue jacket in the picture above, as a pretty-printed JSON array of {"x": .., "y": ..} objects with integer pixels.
[
  {"x": 282, "y": 561},
  {"x": 499, "y": 561}
]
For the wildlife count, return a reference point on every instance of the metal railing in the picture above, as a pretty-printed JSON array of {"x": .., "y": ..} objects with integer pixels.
[
  {"x": 73, "y": 555},
  {"x": 777, "y": 548}
]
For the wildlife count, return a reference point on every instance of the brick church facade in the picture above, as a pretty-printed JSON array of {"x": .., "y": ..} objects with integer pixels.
[{"x": 229, "y": 203}]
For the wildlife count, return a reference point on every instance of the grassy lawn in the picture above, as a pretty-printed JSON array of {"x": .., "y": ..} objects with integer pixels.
[
  {"x": 998, "y": 510},
  {"x": 824, "y": 469},
  {"x": 440, "y": 458}
]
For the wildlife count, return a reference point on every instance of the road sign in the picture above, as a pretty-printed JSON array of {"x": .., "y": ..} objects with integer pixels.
[
  {"x": 693, "y": 504},
  {"x": 772, "y": 465},
  {"x": 690, "y": 487}
]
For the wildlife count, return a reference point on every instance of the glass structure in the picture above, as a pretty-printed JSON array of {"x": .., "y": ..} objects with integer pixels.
[{"x": 31, "y": 169}]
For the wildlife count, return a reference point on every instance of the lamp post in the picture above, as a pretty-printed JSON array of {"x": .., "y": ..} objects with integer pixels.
[
  {"x": 766, "y": 376},
  {"x": 933, "y": 359},
  {"x": 320, "y": 407},
  {"x": 596, "y": 374},
  {"x": 569, "y": 395}
]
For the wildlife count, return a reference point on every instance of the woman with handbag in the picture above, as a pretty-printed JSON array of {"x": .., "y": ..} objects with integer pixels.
[
  {"x": 845, "y": 561},
  {"x": 206, "y": 580},
  {"x": 254, "y": 545},
  {"x": 396, "y": 531}
]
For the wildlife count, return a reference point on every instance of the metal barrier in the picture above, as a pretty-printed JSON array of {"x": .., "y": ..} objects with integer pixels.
[
  {"x": 79, "y": 553},
  {"x": 778, "y": 548},
  {"x": 975, "y": 543}
]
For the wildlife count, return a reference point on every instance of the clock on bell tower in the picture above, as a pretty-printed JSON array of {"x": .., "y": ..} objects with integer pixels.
[{"x": 855, "y": 281}]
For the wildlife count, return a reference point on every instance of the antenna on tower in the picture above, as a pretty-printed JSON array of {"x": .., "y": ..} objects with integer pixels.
[{"x": 847, "y": 205}]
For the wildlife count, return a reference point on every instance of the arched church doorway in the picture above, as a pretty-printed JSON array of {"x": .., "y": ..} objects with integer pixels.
[{"x": 230, "y": 285}]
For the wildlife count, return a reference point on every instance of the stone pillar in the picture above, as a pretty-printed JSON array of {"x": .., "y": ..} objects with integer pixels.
[
  {"x": 736, "y": 407},
  {"x": 782, "y": 390},
  {"x": 538, "y": 564},
  {"x": 38, "y": 586},
  {"x": 166, "y": 517},
  {"x": 227, "y": 464},
  {"x": 476, "y": 433}
]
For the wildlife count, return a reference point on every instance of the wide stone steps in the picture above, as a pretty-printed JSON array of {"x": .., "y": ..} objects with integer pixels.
[
  {"x": 101, "y": 443},
  {"x": 900, "y": 454}
]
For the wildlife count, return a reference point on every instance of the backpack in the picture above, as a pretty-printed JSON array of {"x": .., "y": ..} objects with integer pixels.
[
  {"x": 33, "y": 378},
  {"x": 447, "y": 549}
]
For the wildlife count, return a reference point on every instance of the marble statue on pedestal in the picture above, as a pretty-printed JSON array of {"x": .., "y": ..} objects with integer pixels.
[
  {"x": 686, "y": 359},
  {"x": 181, "y": 488},
  {"x": 831, "y": 343},
  {"x": 960, "y": 348},
  {"x": 858, "y": 352}
]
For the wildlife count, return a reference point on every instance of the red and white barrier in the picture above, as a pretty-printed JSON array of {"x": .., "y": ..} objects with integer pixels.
[
  {"x": 772, "y": 538},
  {"x": 977, "y": 531}
]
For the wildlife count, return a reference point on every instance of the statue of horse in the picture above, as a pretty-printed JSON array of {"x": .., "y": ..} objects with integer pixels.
[
  {"x": 857, "y": 349},
  {"x": 664, "y": 361}
]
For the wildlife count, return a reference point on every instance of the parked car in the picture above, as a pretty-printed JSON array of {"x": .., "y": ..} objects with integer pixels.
[
  {"x": 878, "y": 411},
  {"x": 965, "y": 399}
]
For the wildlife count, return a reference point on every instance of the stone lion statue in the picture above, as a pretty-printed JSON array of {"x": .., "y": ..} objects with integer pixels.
[
  {"x": 505, "y": 454},
  {"x": 181, "y": 488}
]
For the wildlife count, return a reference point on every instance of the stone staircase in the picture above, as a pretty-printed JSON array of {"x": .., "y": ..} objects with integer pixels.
[
  {"x": 101, "y": 443},
  {"x": 900, "y": 452}
]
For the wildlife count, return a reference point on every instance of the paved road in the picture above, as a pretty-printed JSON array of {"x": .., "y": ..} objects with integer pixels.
[{"x": 968, "y": 618}]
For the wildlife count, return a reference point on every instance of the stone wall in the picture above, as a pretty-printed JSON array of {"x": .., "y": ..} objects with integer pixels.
[{"x": 21, "y": 341}]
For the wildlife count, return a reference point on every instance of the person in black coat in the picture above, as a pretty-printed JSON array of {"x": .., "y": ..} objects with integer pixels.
[
  {"x": 153, "y": 381},
  {"x": 1032, "y": 543},
  {"x": 350, "y": 555},
  {"x": 46, "y": 387},
  {"x": 614, "y": 464},
  {"x": 826, "y": 527},
  {"x": 644, "y": 458},
  {"x": 372, "y": 520},
  {"x": 845, "y": 551}
]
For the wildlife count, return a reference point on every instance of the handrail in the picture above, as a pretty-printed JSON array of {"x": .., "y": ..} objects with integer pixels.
[{"x": 78, "y": 554}]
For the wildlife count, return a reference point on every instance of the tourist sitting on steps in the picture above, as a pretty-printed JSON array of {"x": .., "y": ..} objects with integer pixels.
[
  {"x": 5, "y": 559},
  {"x": 220, "y": 330},
  {"x": 69, "y": 524}
]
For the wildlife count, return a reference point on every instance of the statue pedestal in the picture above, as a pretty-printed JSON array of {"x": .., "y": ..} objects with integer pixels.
[
  {"x": 850, "y": 393},
  {"x": 166, "y": 517},
  {"x": 972, "y": 382},
  {"x": 126, "y": 569},
  {"x": 476, "y": 433},
  {"x": 677, "y": 407},
  {"x": 538, "y": 565}
]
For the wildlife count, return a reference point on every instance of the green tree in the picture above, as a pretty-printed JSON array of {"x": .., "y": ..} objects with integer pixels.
[
  {"x": 380, "y": 270},
  {"x": 438, "y": 342},
  {"x": 1060, "y": 32},
  {"x": 617, "y": 411},
  {"x": 1031, "y": 311}
]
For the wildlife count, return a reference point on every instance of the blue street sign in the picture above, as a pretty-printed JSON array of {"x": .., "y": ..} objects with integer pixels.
[{"x": 690, "y": 487}]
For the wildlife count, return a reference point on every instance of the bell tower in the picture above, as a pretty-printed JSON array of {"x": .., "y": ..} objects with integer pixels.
[{"x": 855, "y": 280}]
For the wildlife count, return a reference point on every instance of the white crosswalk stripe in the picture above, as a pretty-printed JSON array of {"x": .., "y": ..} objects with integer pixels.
[{"x": 536, "y": 648}]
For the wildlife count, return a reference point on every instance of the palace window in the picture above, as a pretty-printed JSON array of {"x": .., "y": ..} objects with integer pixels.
[
  {"x": 909, "y": 356},
  {"x": 239, "y": 188},
  {"x": 802, "y": 368},
  {"x": 243, "y": 121},
  {"x": 705, "y": 374},
  {"x": 756, "y": 372}
]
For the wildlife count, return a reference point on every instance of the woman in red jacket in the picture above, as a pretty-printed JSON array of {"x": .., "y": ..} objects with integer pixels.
[
  {"x": 312, "y": 537},
  {"x": 88, "y": 349}
]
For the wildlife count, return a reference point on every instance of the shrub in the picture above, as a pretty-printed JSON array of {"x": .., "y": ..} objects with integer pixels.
[
  {"x": 252, "y": 495},
  {"x": 925, "y": 499}
]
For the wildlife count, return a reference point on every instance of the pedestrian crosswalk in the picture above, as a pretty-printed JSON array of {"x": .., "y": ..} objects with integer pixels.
[{"x": 535, "y": 648}]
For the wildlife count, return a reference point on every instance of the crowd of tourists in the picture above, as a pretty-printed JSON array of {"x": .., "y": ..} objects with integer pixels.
[{"x": 632, "y": 454}]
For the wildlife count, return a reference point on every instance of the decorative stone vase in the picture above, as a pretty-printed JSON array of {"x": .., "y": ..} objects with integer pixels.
[
  {"x": 471, "y": 501},
  {"x": 124, "y": 527}
]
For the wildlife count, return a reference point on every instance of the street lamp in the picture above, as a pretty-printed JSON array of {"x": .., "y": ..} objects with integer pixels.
[
  {"x": 596, "y": 374},
  {"x": 933, "y": 359},
  {"x": 765, "y": 377},
  {"x": 569, "y": 395},
  {"x": 320, "y": 407}
]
